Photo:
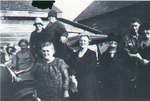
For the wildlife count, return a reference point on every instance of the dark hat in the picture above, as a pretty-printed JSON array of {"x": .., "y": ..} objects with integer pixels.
[
  {"x": 12, "y": 46},
  {"x": 52, "y": 13}
]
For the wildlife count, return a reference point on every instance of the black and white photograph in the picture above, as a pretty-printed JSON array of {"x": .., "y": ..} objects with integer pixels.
[{"x": 74, "y": 50}]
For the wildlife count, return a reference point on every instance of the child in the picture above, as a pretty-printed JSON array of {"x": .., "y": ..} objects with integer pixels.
[{"x": 51, "y": 75}]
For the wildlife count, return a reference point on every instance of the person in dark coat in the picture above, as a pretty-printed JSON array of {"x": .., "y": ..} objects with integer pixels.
[
  {"x": 132, "y": 44},
  {"x": 36, "y": 38},
  {"x": 56, "y": 32},
  {"x": 116, "y": 75},
  {"x": 84, "y": 68},
  {"x": 132, "y": 38},
  {"x": 143, "y": 57}
]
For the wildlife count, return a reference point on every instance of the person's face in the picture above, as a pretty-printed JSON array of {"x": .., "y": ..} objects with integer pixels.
[
  {"x": 84, "y": 42},
  {"x": 39, "y": 26},
  {"x": 23, "y": 45},
  {"x": 147, "y": 34},
  {"x": 135, "y": 26},
  {"x": 48, "y": 52},
  {"x": 10, "y": 50},
  {"x": 113, "y": 46},
  {"x": 52, "y": 19}
]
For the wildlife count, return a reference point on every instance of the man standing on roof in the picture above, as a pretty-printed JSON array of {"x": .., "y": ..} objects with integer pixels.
[
  {"x": 56, "y": 32},
  {"x": 36, "y": 37}
]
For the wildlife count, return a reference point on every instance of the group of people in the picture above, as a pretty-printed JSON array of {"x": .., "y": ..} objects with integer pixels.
[
  {"x": 58, "y": 73},
  {"x": 125, "y": 65}
]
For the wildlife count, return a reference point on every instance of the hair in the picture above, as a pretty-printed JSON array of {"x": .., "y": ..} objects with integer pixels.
[
  {"x": 110, "y": 42},
  {"x": 48, "y": 43},
  {"x": 23, "y": 40},
  {"x": 133, "y": 20}
]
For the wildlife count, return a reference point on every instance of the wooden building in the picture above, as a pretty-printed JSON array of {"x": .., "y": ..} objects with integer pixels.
[
  {"x": 114, "y": 16},
  {"x": 17, "y": 18}
]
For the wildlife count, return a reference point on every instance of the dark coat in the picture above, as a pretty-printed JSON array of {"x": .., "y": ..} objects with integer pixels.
[
  {"x": 35, "y": 42},
  {"x": 143, "y": 79},
  {"x": 53, "y": 32},
  {"x": 116, "y": 77},
  {"x": 84, "y": 68}
]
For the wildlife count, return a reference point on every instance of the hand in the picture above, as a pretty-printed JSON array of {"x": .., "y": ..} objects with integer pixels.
[
  {"x": 145, "y": 61},
  {"x": 63, "y": 39},
  {"x": 74, "y": 80},
  {"x": 66, "y": 94},
  {"x": 73, "y": 84},
  {"x": 17, "y": 79},
  {"x": 137, "y": 55},
  {"x": 18, "y": 72}
]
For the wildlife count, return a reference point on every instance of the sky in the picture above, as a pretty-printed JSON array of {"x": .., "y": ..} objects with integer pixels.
[{"x": 72, "y": 8}]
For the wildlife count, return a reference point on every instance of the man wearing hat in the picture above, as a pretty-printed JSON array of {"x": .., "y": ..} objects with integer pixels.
[
  {"x": 56, "y": 32},
  {"x": 36, "y": 36}
]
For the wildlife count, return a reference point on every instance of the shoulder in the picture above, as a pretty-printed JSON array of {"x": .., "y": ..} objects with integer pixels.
[
  {"x": 58, "y": 23},
  {"x": 38, "y": 64},
  {"x": 18, "y": 53},
  {"x": 33, "y": 33},
  {"x": 59, "y": 60}
]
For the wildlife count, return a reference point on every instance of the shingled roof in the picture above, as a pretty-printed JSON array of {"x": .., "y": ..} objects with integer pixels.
[
  {"x": 101, "y": 7},
  {"x": 22, "y": 5}
]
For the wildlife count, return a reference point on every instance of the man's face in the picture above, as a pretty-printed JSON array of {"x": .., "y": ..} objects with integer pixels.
[
  {"x": 48, "y": 52},
  {"x": 135, "y": 26},
  {"x": 113, "y": 46},
  {"x": 39, "y": 26},
  {"x": 23, "y": 45}
]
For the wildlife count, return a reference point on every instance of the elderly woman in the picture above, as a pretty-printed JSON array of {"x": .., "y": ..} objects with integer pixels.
[
  {"x": 23, "y": 61},
  {"x": 51, "y": 75},
  {"x": 83, "y": 67}
]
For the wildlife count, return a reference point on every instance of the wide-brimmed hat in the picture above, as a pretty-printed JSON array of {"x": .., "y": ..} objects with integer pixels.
[
  {"x": 38, "y": 21},
  {"x": 12, "y": 46}
]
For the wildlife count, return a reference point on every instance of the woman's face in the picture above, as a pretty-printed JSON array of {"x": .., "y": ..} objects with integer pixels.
[
  {"x": 84, "y": 42},
  {"x": 23, "y": 45},
  {"x": 147, "y": 34},
  {"x": 48, "y": 52},
  {"x": 39, "y": 26}
]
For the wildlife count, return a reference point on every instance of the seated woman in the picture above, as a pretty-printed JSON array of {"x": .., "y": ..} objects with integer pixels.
[
  {"x": 23, "y": 61},
  {"x": 9, "y": 53},
  {"x": 83, "y": 67},
  {"x": 51, "y": 75}
]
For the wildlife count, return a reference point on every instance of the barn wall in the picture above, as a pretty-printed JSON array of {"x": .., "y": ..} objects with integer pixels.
[
  {"x": 119, "y": 20},
  {"x": 14, "y": 30}
]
